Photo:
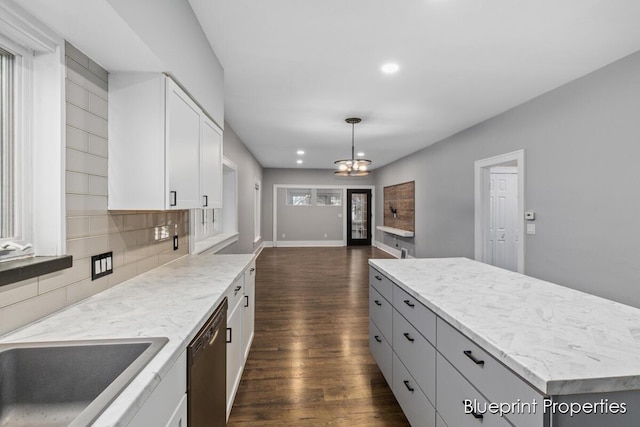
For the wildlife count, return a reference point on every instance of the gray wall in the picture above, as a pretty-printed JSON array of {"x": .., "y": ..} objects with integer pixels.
[
  {"x": 248, "y": 170},
  {"x": 582, "y": 145},
  {"x": 308, "y": 223},
  {"x": 298, "y": 177}
]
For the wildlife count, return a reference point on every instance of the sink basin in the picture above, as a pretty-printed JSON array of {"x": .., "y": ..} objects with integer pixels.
[{"x": 67, "y": 383}]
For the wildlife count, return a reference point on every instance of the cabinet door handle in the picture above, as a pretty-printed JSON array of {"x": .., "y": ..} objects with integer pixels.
[
  {"x": 475, "y": 414},
  {"x": 408, "y": 337},
  {"x": 378, "y": 302},
  {"x": 237, "y": 289},
  {"x": 173, "y": 198},
  {"x": 409, "y": 303},
  {"x": 406, "y": 384},
  {"x": 470, "y": 355},
  {"x": 205, "y": 201},
  {"x": 251, "y": 270},
  {"x": 377, "y": 337},
  {"x": 246, "y": 300},
  {"x": 229, "y": 335},
  {"x": 378, "y": 277}
]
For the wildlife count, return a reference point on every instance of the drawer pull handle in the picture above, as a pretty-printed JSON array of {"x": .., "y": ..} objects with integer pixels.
[
  {"x": 378, "y": 302},
  {"x": 409, "y": 303},
  {"x": 378, "y": 277},
  {"x": 408, "y": 337},
  {"x": 469, "y": 354},
  {"x": 406, "y": 384},
  {"x": 229, "y": 335},
  {"x": 236, "y": 290},
  {"x": 377, "y": 337}
]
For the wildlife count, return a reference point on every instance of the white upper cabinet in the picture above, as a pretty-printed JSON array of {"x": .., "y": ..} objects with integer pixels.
[
  {"x": 211, "y": 164},
  {"x": 164, "y": 152}
]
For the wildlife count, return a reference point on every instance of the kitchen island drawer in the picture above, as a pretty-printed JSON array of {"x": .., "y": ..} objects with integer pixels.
[
  {"x": 414, "y": 403},
  {"x": 453, "y": 392},
  {"x": 380, "y": 311},
  {"x": 489, "y": 376},
  {"x": 381, "y": 283},
  {"x": 381, "y": 351},
  {"x": 423, "y": 319},
  {"x": 417, "y": 354}
]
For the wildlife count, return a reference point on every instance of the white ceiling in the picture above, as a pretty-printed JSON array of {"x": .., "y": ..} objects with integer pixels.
[{"x": 294, "y": 70}]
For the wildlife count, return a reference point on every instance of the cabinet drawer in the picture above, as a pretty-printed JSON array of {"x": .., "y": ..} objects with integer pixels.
[
  {"x": 416, "y": 353},
  {"x": 489, "y": 376},
  {"x": 453, "y": 390},
  {"x": 380, "y": 312},
  {"x": 423, "y": 319},
  {"x": 414, "y": 403},
  {"x": 381, "y": 351},
  {"x": 381, "y": 283},
  {"x": 234, "y": 293}
]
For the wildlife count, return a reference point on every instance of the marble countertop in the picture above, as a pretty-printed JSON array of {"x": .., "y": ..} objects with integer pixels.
[
  {"x": 171, "y": 301},
  {"x": 560, "y": 340}
]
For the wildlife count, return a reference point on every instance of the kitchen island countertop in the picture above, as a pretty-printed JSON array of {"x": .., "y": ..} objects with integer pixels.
[
  {"x": 560, "y": 340},
  {"x": 171, "y": 301}
]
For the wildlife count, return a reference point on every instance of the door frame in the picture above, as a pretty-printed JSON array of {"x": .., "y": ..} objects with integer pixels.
[
  {"x": 274, "y": 219},
  {"x": 481, "y": 195},
  {"x": 347, "y": 216}
]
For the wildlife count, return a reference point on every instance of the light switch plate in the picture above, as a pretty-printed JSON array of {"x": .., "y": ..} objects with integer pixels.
[
  {"x": 101, "y": 265},
  {"x": 175, "y": 243},
  {"x": 531, "y": 229}
]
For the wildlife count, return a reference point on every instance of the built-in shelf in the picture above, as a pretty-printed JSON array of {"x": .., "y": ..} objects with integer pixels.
[{"x": 396, "y": 231}]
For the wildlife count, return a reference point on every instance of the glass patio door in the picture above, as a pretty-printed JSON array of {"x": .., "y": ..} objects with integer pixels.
[{"x": 358, "y": 217}]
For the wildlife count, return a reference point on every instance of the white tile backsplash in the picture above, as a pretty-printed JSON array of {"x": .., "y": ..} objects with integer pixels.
[
  {"x": 15, "y": 292},
  {"x": 79, "y": 161},
  {"x": 83, "y": 119}
]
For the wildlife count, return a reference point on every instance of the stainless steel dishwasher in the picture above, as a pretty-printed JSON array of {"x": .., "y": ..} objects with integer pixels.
[{"x": 207, "y": 372}]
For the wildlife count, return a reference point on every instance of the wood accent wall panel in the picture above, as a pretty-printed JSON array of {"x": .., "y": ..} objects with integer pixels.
[{"x": 402, "y": 198}]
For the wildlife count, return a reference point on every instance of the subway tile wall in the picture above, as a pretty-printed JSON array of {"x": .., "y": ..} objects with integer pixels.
[{"x": 140, "y": 241}]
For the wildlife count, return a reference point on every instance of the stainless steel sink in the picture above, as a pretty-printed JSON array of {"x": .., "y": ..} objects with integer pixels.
[{"x": 67, "y": 383}]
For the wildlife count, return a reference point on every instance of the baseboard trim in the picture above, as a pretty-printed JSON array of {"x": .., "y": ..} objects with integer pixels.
[
  {"x": 387, "y": 249},
  {"x": 307, "y": 243}
]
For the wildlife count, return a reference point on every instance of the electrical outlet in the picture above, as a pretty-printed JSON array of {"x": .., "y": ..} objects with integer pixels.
[
  {"x": 175, "y": 242},
  {"x": 284, "y": 235},
  {"x": 101, "y": 265},
  {"x": 325, "y": 235}
]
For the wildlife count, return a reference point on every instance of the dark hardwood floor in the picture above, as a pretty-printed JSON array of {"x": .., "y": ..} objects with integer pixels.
[{"x": 310, "y": 364}]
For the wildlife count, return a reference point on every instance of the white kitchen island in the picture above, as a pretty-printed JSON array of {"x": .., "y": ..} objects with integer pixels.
[
  {"x": 453, "y": 335},
  {"x": 172, "y": 301}
]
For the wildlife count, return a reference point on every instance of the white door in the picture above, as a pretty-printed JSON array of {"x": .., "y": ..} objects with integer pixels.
[{"x": 503, "y": 218}]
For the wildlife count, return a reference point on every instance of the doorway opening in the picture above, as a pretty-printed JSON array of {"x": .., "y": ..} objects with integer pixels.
[
  {"x": 499, "y": 211},
  {"x": 359, "y": 217}
]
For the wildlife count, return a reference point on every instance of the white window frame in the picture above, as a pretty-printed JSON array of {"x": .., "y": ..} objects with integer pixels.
[{"x": 39, "y": 130}]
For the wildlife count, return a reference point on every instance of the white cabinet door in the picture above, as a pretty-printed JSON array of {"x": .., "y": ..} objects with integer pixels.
[
  {"x": 179, "y": 417},
  {"x": 183, "y": 149},
  {"x": 248, "y": 308},
  {"x": 234, "y": 354},
  {"x": 211, "y": 164}
]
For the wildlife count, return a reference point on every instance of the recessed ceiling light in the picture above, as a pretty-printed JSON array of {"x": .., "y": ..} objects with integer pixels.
[
  {"x": 360, "y": 154},
  {"x": 300, "y": 152},
  {"x": 390, "y": 68},
  {"x": 299, "y": 161}
]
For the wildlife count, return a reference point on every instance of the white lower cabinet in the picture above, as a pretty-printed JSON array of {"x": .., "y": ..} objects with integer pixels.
[
  {"x": 234, "y": 354},
  {"x": 414, "y": 403},
  {"x": 168, "y": 400},
  {"x": 240, "y": 329},
  {"x": 179, "y": 417}
]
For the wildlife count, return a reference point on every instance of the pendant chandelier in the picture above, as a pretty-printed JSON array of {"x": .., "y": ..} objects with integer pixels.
[{"x": 352, "y": 166}]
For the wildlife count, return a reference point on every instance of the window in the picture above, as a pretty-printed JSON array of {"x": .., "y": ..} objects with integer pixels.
[
  {"x": 299, "y": 196},
  {"x": 15, "y": 223},
  {"x": 329, "y": 197},
  {"x": 32, "y": 203}
]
